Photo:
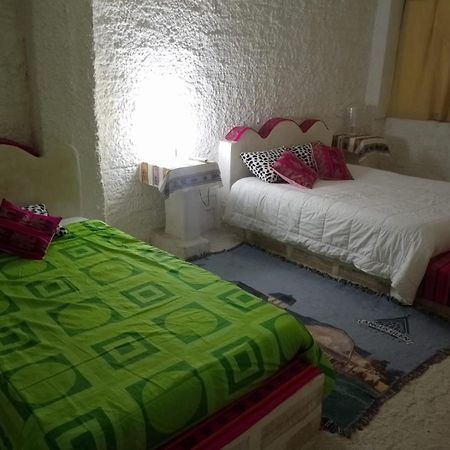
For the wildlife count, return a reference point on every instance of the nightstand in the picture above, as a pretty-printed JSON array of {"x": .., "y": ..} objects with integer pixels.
[
  {"x": 359, "y": 146},
  {"x": 186, "y": 187}
]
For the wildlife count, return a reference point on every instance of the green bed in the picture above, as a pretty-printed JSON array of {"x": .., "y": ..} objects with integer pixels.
[{"x": 110, "y": 343}]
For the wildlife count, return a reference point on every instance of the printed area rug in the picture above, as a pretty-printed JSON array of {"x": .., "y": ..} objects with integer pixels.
[{"x": 374, "y": 344}]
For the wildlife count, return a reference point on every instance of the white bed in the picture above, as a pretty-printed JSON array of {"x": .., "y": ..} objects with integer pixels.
[{"x": 385, "y": 224}]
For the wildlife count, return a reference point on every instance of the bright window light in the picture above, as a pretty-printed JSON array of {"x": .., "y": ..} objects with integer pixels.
[{"x": 164, "y": 122}]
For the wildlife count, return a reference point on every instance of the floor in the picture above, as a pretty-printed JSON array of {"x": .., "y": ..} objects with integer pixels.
[{"x": 417, "y": 418}]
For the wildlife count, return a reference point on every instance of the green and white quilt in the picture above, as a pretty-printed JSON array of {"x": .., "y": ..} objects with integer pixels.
[{"x": 110, "y": 343}]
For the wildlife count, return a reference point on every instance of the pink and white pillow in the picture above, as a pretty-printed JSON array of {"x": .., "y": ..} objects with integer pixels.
[
  {"x": 294, "y": 171},
  {"x": 24, "y": 233},
  {"x": 330, "y": 163}
]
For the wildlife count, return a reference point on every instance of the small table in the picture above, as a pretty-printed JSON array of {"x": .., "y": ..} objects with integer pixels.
[
  {"x": 181, "y": 185},
  {"x": 360, "y": 145}
]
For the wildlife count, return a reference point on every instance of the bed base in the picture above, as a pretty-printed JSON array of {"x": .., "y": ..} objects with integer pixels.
[
  {"x": 292, "y": 425},
  {"x": 283, "y": 413},
  {"x": 332, "y": 267}
]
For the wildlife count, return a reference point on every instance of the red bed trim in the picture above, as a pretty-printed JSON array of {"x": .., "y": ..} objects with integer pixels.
[
  {"x": 237, "y": 132},
  {"x": 25, "y": 148},
  {"x": 235, "y": 419},
  {"x": 435, "y": 285}
]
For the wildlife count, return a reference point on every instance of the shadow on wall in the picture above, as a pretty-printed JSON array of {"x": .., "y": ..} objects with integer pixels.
[
  {"x": 419, "y": 147},
  {"x": 406, "y": 160}
]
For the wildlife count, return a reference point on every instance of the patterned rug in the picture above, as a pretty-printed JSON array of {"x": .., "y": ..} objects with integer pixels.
[{"x": 375, "y": 345}]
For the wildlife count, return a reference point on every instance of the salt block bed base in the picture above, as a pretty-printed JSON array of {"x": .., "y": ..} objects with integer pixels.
[
  {"x": 433, "y": 294},
  {"x": 283, "y": 413}
]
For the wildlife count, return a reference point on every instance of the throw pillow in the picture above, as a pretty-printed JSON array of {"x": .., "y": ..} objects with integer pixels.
[
  {"x": 295, "y": 171},
  {"x": 24, "y": 233},
  {"x": 330, "y": 163}
]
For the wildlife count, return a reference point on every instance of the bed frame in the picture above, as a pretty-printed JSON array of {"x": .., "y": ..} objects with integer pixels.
[
  {"x": 274, "y": 133},
  {"x": 54, "y": 178}
]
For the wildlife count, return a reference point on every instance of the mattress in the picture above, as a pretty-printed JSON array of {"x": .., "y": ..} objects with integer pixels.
[
  {"x": 385, "y": 224},
  {"x": 111, "y": 343}
]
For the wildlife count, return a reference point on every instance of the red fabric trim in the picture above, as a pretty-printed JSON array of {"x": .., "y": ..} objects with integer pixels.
[
  {"x": 26, "y": 148},
  {"x": 307, "y": 124},
  {"x": 435, "y": 285},
  {"x": 236, "y": 133},
  {"x": 230, "y": 422}
]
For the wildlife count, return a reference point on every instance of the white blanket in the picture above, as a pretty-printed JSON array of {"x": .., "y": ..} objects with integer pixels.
[{"x": 385, "y": 224}]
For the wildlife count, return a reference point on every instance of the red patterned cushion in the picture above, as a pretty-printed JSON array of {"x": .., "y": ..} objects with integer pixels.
[
  {"x": 24, "y": 233},
  {"x": 294, "y": 171},
  {"x": 330, "y": 163}
]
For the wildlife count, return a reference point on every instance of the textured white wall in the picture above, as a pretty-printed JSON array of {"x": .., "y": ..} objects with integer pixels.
[
  {"x": 15, "y": 120},
  {"x": 60, "y": 49},
  {"x": 210, "y": 65},
  {"x": 419, "y": 148}
]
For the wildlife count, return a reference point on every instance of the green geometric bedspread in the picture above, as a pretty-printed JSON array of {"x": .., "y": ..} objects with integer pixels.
[{"x": 109, "y": 343}]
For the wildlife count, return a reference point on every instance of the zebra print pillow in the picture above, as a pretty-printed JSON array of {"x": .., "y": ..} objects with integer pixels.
[
  {"x": 305, "y": 153},
  {"x": 40, "y": 208}
]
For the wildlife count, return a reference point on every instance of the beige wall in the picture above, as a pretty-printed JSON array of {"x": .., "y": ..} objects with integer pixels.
[
  {"x": 419, "y": 148},
  {"x": 15, "y": 120},
  {"x": 60, "y": 55}
]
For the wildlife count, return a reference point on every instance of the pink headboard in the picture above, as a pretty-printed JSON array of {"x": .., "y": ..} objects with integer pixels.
[{"x": 19, "y": 146}]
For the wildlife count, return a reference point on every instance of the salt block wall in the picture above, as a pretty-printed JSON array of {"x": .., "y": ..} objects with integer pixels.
[
  {"x": 419, "y": 148},
  {"x": 60, "y": 58},
  {"x": 15, "y": 122},
  {"x": 173, "y": 77}
]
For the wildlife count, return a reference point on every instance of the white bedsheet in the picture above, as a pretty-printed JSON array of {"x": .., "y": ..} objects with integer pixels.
[{"x": 385, "y": 224}]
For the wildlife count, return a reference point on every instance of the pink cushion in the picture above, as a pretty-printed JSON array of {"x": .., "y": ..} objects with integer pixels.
[
  {"x": 24, "y": 233},
  {"x": 294, "y": 171},
  {"x": 330, "y": 163}
]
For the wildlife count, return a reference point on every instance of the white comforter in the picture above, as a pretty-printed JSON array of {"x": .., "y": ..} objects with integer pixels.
[{"x": 385, "y": 224}]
